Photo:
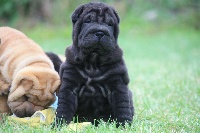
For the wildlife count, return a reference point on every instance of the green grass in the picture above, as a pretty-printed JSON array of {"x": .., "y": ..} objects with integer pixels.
[{"x": 164, "y": 68}]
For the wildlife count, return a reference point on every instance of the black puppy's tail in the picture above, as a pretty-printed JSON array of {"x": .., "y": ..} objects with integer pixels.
[{"x": 55, "y": 59}]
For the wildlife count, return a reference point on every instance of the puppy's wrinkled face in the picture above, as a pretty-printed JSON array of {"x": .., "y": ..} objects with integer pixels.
[
  {"x": 97, "y": 33},
  {"x": 95, "y": 28}
]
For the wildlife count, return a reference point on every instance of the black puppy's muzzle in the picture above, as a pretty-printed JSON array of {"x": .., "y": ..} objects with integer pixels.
[
  {"x": 99, "y": 34},
  {"x": 98, "y": 31},
  {"x": 96, "y": 38}
]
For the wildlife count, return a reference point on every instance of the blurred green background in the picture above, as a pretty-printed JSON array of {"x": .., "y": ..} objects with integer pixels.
[
  {"x": 161, "y": 44},
  {"x": 48, "y": 21},
  {"x": 57, "y": 12}
]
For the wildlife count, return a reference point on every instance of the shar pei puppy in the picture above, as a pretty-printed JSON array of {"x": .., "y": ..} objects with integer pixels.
[
  {"x": 94, "y": 78},
  {"x": 27, "y": 76}
]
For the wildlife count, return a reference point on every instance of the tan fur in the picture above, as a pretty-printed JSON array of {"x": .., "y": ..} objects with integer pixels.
[{"x": 25, "y": 66}]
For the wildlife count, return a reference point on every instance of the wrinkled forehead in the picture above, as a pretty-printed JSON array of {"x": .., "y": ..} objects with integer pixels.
[
  {"x": 97, "y": 7},
  {"x": 99, "y": 15}
]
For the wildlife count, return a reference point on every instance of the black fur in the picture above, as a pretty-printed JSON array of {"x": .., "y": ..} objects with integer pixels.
[
  {"x": 94, "y": 76},
  {"x": 55, "y": 59}
]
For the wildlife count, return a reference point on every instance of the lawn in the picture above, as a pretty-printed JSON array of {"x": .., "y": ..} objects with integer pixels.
[{"x": 163, "y": 64}]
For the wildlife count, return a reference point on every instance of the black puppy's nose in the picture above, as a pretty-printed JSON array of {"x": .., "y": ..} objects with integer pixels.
[{"x": 99, "y": 34}]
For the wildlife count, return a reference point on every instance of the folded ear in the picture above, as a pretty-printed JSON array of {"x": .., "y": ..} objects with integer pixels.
[
  {"x": 117, "y": 20},
  {"x": 116, "y": 15},
  {"x": 76, "y": 14}
]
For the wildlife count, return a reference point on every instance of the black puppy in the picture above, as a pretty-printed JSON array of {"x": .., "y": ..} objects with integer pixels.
[{"x": 94, "y": 76}]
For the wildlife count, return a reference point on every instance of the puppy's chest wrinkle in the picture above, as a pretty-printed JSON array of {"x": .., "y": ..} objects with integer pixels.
[
  {"x": 94, "y": 82},
  {"x": 93, "y": 93}
]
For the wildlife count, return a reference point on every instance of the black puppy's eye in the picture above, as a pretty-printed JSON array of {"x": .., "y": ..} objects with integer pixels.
[
  {"x": 88, "y": 20},
  {"x": 110, "y": 23}
]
